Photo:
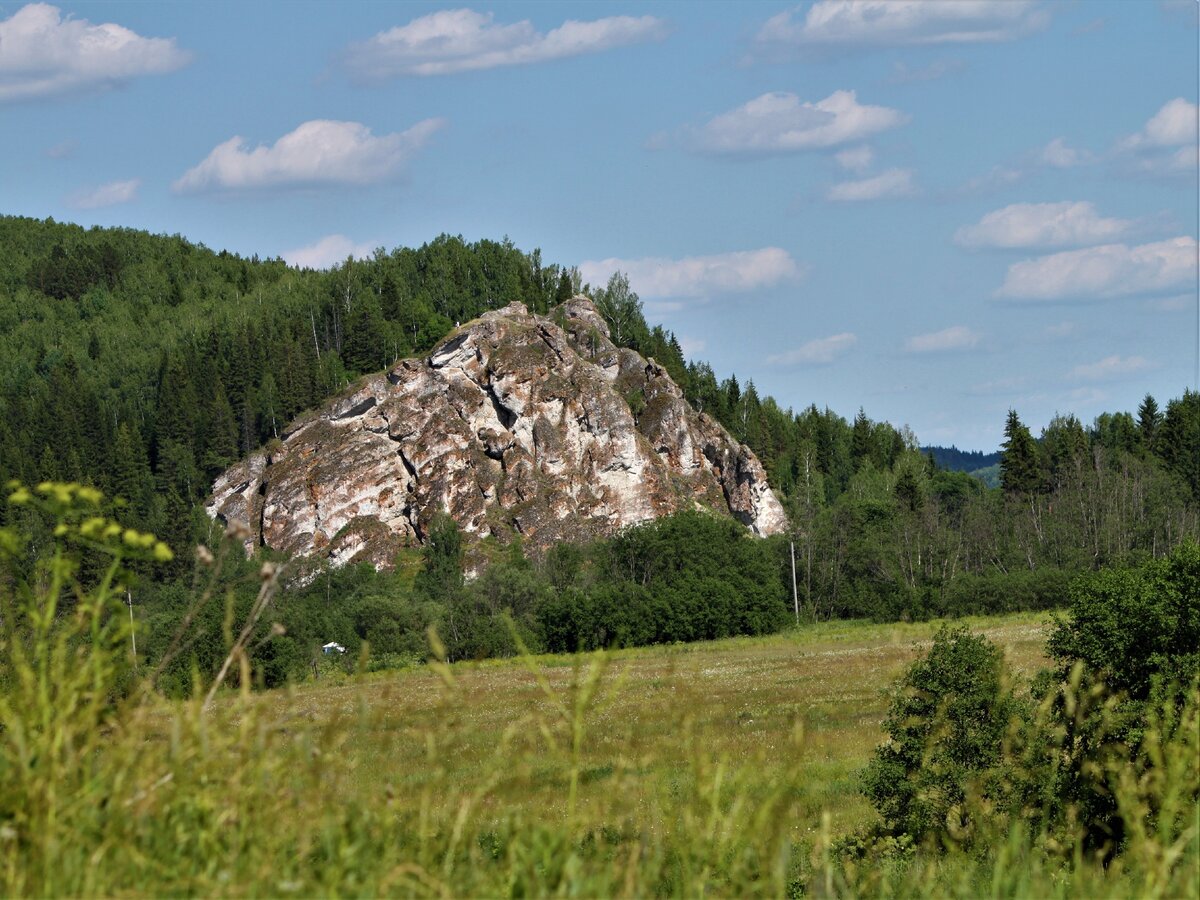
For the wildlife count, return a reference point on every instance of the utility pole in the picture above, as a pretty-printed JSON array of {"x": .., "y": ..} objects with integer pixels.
[
  {"x": 795, "y": 593},
  {"x": 132, "y": 635}
]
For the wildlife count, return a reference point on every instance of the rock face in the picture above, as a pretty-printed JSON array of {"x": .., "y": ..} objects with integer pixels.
[{"x": 515, "y": 423}]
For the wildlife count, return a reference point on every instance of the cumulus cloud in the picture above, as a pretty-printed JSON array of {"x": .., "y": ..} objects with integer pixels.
[
  {"x": 462, "y": 40},
  {"x": 1066, "y": 224},
  {"x": 865, "y": 23},
  {"x": 886, "y": 185},
  {"x": 1171, "y": 126},
  {"x": 1111, "y": 270},
  {"x": 43, "y": 54},
  {"x": 819, "y": 352},
  {"x": 782, "y": 123},
  {"x": 111, "y": 194},
  {"x": 328, "y": 251},
  {"x": 320, "y": 152},
  {"x": 1110, "y": 368},
  {"x": 699, "y": 276},
  {"x": 1168, "y": 144},
  {"x": 956, "y": 337}
]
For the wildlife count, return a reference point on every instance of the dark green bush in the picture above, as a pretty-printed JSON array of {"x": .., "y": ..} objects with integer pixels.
[
  {"x": 1135, "y": 629},
  {"x": 945, "y": 725}
]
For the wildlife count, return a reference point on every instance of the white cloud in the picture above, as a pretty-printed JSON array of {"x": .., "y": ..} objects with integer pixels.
[
  {"x": 860, "y": 23},
  {"x": 1111, "y": 270},
  {"x": 956, "y": 337},
  {"x": 819, "y": 352},
  {"x": 328, "y": 251},
  {"x": 691, "y": 346},
  {"x": 886, "y": 185},
  {"x": 1058, "y": 155},
  {"x": 1171, "y": 126},
  {"x": 111, "y": 194},
  {"x": 318, "y": 152},
  {"x": 43, "y": 54},
  {"x": 781, "y": 123},
  {"x": 462, "y": 40},
  {"x": 1185, "y": 159},
  {"x": 1110, "y": 368},
  {"x": 1169, "y": 143},
  {"x": 856, "y": 159},
  {"x": 698, "y": 276},
  {"x": 1066, "y": 224}
]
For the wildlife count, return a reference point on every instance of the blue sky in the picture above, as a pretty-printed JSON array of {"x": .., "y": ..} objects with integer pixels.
[{"x": 933, "y": 210}]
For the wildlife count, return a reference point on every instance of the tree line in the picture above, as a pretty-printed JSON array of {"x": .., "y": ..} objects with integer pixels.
[{"x": 143, "y": 365}]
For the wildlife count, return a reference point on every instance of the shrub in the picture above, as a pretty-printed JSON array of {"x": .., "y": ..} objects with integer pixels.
[
  {"x": 1136, "y": 629},
  {"x": 946, "y": 725},
  {"x": 1128, "y": 658}
]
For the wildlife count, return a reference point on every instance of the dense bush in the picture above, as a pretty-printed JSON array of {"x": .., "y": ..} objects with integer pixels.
[
  {"x": 691, "y": 576},
  {"x": 1101, "y": 754},
  {"x": 1135, "y": 629},
  {"x": 945, "y": 729},
  {"x": 1128, "y": 660}
]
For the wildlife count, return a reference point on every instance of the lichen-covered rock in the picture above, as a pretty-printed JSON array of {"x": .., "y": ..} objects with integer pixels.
[{"x": 515, "y": 423}]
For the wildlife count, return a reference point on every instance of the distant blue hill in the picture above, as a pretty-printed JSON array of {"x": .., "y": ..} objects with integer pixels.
[{"x": 956, "y": 460}]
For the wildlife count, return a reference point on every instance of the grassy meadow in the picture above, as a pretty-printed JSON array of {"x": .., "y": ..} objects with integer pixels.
[
  {"x": 802, "y": 708},
  {"x": 725, "y": 768}
]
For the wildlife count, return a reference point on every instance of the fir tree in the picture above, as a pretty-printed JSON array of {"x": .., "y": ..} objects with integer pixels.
[
  {"x": 220, "y": 444},
  {"x": 1149, "y": 418},
  {"x": 565, "y": 290},
  {"x": 860, "y": 439},
  {"x": 1020, "y": 468}
]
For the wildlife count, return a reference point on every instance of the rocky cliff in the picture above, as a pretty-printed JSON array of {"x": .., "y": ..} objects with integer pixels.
[{"x": 515, "y": 423}]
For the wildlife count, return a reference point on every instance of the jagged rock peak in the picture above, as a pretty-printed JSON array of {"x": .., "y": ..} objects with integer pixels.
[{"x": 515, "y": 423}]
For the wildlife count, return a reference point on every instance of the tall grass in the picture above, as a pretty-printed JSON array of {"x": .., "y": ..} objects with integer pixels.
[{"x": 106, "y": 788}]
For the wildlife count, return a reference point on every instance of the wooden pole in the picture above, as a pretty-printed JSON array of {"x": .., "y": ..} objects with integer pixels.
[
  {"x": 795, "y": 592},
  {"x": 132, "y": 633}
]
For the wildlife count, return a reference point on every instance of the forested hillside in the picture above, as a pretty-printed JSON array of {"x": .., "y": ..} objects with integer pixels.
[
  {"x": 961, "y": 460},
  {"x": 144, "y": 365}
]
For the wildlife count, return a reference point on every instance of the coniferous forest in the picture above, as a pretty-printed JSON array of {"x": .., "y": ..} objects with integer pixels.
[{"x": 143, "y": 365}]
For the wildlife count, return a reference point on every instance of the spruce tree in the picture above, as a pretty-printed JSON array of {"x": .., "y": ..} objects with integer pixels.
[
  {"x": 860, "y": 439},
  {"x": 565, "y": 290},
  {"x": 220, "y": 439},
  {"x": 131, "y": 471},
  {"x": 1178, "y": 439},
  {"x": 1020, "y": 468},
  {"x": 1149, "y": 418}
]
